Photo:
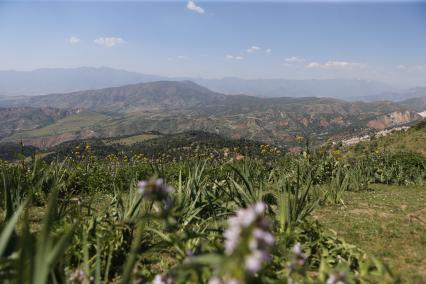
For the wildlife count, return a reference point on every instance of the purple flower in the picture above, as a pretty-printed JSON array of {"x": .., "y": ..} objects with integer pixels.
[
  {"x": 77, "y": 276},
  {"x": 156, "y": 190},
  {"x": 297, "y": 249},
  {"x": 253, "y": 262},
  {"x": 215, "y": 280},
  {"x": 162, "y": 279},
  {"x": 249, "y": 228},
  {"x": 299, "y": 257},
  {"x": 336, "y": 278}
]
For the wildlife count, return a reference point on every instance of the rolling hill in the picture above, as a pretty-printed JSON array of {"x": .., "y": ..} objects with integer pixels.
[
  {"x": 74, "y": 126},
  {"x": 18, "y": 119},
  {"x": 417, "y": 104},
  {"x": 158, "y": 145},
  {"x": 161, "y": 95},
  {"x": 409, "y": 141},
  {"x": 173, "y": 107}
]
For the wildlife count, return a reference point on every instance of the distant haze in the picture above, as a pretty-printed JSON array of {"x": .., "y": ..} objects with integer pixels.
[{"x": 48, "y": 81}]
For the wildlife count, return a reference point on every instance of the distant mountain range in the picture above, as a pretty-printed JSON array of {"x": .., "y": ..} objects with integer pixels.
[
  {"x": 63, "y": 80},
  {"x": 398, "y": 96},
  {"x": 160, "y": 95},
  {"x": 174, "y": 107},
  {"x": 47, "y": 81},
  {"x": 417, "y": 104},
  {"x": 346, "y": 89}
]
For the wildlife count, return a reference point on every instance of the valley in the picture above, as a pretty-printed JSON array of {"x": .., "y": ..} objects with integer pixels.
[{"x": 172, "y": 107}]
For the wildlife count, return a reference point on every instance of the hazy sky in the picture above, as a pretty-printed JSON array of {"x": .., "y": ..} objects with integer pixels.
[{"x": 380, "y": 41}]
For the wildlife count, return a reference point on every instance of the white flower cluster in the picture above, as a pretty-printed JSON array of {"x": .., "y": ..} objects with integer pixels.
[
  {"x": 217, "y": 280},
  {"x": 156, "y": 190},
  {"x": 162, "y": 279},
  {"x": 249, "y": 228},
  {"x": 336, "y": 278},
  {"x": 77, "y": 276}
]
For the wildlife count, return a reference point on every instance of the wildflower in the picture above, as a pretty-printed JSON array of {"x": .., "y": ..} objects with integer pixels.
[
  {"x": 214, "y": 280},
  {"x": 162, "y": 279},
  {"x": 336, "y": 278},
  {"x": 239, "y": 157},
  {"x": 156, "y": 190},
  {"x": 261, "y": 239},
  {"x": 298, "y": 258},
  {"x": 77, "y": 276},
  {"x": 217, "y": 280},
  {"x": 226, "y": 153},
  {"x": 248, "y": 228},
  {"x": 253, "y": 262}
]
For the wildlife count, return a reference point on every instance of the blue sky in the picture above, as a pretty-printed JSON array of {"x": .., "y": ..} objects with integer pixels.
[{"x": 383, "y": 41}]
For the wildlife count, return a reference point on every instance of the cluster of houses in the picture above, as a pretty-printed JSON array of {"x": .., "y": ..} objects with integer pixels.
[{"x": 367, "y": 137}]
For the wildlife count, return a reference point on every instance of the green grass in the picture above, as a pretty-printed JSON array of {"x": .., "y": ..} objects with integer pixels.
[
  {"x": 131, "y": 139},
  {"x": 88, "y": 213},
  {"x": 387, "y": 221},
  {"x": 412, "y": 140},
  {"x": 72, "y": 123}
]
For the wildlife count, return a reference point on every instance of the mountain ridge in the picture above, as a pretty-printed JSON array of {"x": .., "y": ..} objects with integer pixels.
[
  {"x": 63, "y": 80},
  {"x": 171, "y": 107}
]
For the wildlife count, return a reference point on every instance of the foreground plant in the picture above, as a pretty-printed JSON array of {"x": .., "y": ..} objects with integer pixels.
[
  {"x": 248, "y": 241},
  {"x": 213, "y": 225}
]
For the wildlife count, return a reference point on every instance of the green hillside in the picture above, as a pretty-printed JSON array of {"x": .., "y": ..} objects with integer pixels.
[
  {"x": 20, "y": 119},
  {"x": 72, "y": 123},
  {"x": 165, "y": 147},
  {"x": 76, "y": 126},
  {"x": 413, "y": 140},
  {"x": 132, "y": 139}
]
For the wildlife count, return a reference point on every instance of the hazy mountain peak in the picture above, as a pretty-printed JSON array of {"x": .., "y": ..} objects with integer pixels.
[{"x": 62, "y": 80}]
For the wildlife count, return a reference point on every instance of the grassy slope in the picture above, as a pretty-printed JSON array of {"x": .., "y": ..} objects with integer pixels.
[
  {"x": 389, "y": 222},
  {"x": 412, "y": 140},
  {"x": 72, "y": 123}
]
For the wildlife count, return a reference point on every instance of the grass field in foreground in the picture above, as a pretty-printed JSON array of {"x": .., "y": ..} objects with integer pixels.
[{"x": 387, "y": 221}]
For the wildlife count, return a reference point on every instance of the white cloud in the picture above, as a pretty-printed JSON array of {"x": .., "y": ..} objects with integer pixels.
[
  {"x": 268, "y": 50},
  {"x": 253, "y": 49},
  {"x": 191, "y": 6},
  {"x": 73, "y": 40},
  {"x": 295, "y": 59},
  {"x": 411, "y": 68},
  {"x": 109, "y": 41},
  {"x": 342, "y": 64},
  {"x": 182, "y": 57},
  {"x": 234, "y": 57},
  {"x": 313, "y": 65},
  {"x": 421, "y": 67},
  {"x": 336, "y": 65}
]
